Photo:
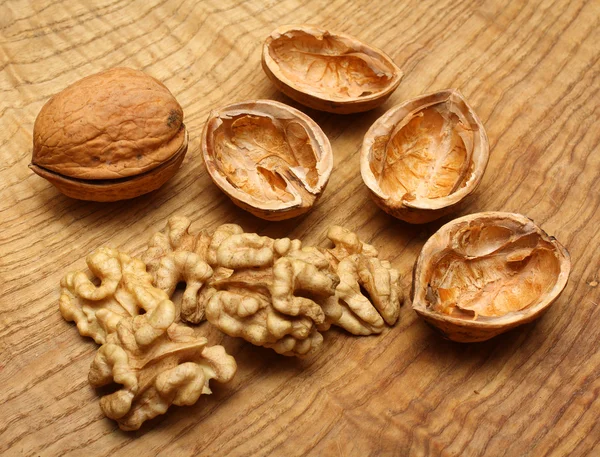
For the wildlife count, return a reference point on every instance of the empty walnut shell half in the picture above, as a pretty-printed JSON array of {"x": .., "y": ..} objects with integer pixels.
[
  {"x": 423, "y": 157},
  {"x": 110, "y": 136},
  {"x": 270, "y": 159},
  {"x": 483, "y": 274},
  {"x": 328, "y": 71}
]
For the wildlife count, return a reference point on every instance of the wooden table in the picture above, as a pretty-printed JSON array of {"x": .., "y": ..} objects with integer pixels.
[{"x": 529, "y": 68}]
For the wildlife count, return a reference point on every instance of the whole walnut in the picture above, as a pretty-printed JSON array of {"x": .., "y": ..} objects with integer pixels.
[{"x": 110, "y": 136}]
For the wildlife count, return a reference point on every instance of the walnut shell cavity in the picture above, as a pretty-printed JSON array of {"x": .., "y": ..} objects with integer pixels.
[
  {"x": 328, "y": 71},
  {"x": 483, "y": 274},
  {"x": 270, "y": 159},
  {"x": 110, "y": 136},
  {"x": 422, "y": 158}
]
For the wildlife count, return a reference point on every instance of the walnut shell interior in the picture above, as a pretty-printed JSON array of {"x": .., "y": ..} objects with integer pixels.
[
  {"x": 110, "y": 136},
  {"x": 270, "y": 159},
  {"x": 424, "y": 156},
  {"x": 328, "y": 71},
  {"x": 485, "y": 273}
]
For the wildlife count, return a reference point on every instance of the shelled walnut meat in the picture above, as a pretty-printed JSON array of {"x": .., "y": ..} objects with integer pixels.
[
  {"x": 177, "y": 256},
  {"x": 155, "y": 364},
  {"x": 328, "y": 71},
  {"x": 483, "y": 274},
  {"x": 276, "y": 293},
  {"x": 156, "y": 361},
  {"x": 116, "y": 286},
  {"x": 368, "y": 295},
  {"x": 270, "y": 159},
  {"x": 110, "y": 136},
  {"x": 272, "y": 297},
  {"x": 422, "y": 158}
]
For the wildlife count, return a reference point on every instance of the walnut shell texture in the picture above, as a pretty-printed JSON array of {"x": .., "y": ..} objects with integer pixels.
[
  {"x": 270, "y": 159},
  {"x": 328, "y": 71},
  {"x": 110, "y": 136},
  {"x": 483, "y": 274},
  {"x": 423, "y": 157}
]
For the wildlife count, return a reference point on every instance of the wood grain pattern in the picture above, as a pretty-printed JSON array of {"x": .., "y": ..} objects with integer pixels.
[{"x": 529, "y": 68}]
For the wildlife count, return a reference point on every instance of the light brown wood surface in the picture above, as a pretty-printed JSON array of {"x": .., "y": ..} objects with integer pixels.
[{"x": 531, "y": 71}]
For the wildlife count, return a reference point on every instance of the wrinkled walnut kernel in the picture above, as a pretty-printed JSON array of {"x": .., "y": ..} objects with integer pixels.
[
  {"x": 171, "y": 367},
  {"x": 272, "y": 297},
  {"x": 275, "y": 292},
  {"x": 177, "y": 256},
  {"x": 125, "y": 290},
  {"x": 368, "y": 295}
]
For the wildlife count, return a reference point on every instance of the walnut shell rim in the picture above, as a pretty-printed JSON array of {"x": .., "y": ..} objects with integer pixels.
[
  {"x": 468, "y": 331},
  {"x": 323, "y": 102},
  {"x": 423, "y": 210},
  {"x": 272, "y": 210},
  {"x": 111, "y": 190}
]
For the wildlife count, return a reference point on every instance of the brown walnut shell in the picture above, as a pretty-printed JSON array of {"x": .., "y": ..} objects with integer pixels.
[
  {"x": 328, "y": 71},
  {"x": 423, "y": 157},
  {"x": 270, "y": 159},
  {"x": 483, "y": 274},
  {"x": 110, "y": 136}
]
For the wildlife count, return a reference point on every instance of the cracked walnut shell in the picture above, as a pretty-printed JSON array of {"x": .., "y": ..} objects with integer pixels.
[
  {"x": 270, "y": 159},
  {"x": 173, "y": 366},
  {"x": 483, "y": 274},
  {"x": 422, "y": 158},
  {"x": 110, "y": 136},
  {"x": 328, "y": 71}
]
